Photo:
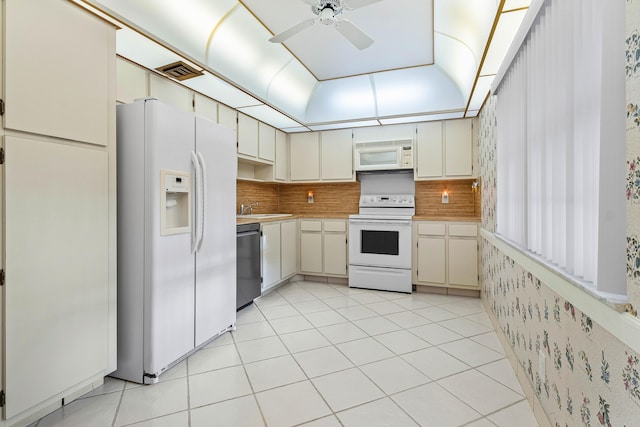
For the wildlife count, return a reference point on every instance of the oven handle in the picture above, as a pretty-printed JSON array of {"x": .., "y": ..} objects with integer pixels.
[{"x": 376, "y": 222}]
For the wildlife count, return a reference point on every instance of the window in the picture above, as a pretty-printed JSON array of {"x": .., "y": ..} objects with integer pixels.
[{"x": 561, "y": 142}]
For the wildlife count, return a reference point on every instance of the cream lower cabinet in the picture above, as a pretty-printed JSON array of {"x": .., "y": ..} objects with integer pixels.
[
  {"x": 323, "y": 247},
  {"x": 288, "y": 248},
  {"x": 446, "y": 254},
  {"x": 279, "y": 252}
]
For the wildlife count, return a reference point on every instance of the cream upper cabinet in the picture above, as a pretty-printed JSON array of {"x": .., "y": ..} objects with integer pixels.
[
  {"x": 428, "y": 156},
  {"x": 227, "y": 117},
  {"x": 266, "y": 142},
  {"x": 304, "y": 156},
  {"x": 445, "y": 150},
  {"x": 206, "y": 107},
  {"x": 282, "y": 157},
  {"x": 337, "y": 155},
  {"x": 131, "y": 81},
  {"x": 170, "y": 93},
  {"x": 458, "y": 148},
  {"x": 247, "y": 135},
  {"x": 55, "y": 71}
]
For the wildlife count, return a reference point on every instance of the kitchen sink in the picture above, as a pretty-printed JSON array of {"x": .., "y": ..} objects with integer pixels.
[{"x": 262, "y": 216}]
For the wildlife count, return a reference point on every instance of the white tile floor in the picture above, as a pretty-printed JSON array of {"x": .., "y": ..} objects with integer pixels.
[{"x": 326, "y": 355}]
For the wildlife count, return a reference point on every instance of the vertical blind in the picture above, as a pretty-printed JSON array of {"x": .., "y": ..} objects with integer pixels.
[{"x": 553, "y": 124}]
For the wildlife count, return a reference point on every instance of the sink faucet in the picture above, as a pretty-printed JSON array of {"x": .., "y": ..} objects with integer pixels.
[{"x": 250, "y": 206}]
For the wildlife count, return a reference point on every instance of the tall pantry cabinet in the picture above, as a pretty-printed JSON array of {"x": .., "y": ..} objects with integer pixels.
[{"x": 58, "y": 257}]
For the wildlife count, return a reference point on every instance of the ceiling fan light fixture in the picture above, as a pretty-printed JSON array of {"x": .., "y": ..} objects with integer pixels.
[{"x": 327, "y": 16}]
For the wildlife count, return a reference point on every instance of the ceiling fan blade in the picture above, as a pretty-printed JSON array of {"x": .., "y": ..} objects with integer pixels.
[
  {"x": 356, "y": 4},
  {"x": 354, "y": 34},
  {"x": 292, "y": 31}
]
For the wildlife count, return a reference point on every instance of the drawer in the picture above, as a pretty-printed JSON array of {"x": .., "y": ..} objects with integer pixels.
[
  {"x": 335, "y": 226},
  {"x": 466, "y": 230},
  {"x": 431, "y": 229},
  {"x": 311, "y": 225}
]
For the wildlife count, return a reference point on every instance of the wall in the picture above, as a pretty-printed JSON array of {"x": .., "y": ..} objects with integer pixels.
[
  {"x": 592, "y": 376},
  {"x": 463, "y": 202},
  {"x": 334, "y": 198},
  {"x": 342, "y": 198},
  {"x": 266, "y": 194}
]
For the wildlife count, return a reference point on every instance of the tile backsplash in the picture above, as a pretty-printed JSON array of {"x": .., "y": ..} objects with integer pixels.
[{"x": 342, "y": 198}]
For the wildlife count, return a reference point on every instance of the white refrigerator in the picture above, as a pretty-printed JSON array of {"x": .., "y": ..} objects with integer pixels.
[{"x": 176, "y": 236}]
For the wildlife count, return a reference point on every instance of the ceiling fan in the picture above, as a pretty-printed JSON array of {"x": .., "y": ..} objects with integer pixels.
[{"x": 329, "y": 13}]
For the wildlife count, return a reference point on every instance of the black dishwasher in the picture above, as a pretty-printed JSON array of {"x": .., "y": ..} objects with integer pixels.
[{"x": 248, "y": 264}]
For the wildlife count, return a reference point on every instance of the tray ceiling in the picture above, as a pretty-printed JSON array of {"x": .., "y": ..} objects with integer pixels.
[{"x": 424, "y": 62}]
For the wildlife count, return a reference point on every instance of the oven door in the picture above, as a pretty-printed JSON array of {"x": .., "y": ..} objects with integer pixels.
[{"x": 380, "y": 242}]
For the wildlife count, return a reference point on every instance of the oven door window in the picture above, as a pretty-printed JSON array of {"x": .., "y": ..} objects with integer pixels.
[{"x": 379, "y": 242}]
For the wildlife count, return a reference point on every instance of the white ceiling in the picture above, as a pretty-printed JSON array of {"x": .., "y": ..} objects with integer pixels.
[
  {"x": 424, "y": 63},
  {"x": 402, "y": 31}
]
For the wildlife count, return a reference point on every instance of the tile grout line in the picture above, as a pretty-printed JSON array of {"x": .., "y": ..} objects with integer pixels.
[
  {"x": 246, "y": 374},
  {"x": 385, "y": 395},
  {"x": 115, "y": 416}
]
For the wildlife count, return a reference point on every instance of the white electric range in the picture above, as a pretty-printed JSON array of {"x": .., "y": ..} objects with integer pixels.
[{"x": 380, "y": 243}]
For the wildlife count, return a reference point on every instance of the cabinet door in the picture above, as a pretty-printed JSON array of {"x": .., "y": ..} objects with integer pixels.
[
  {"x": 131, "y": 81},
  {"x": 281, "y": 161},
  {"x": 170, "y": 93},
  {"x": 337, "y": 154},
  {"x": 59, "y": 71},
  {"x": 206, "y": 107},
  {"x": 335, "y": 254},
  {"x": 270, "y": 255},
  {"x": 429, "y": 150},
  {"x": 431, "y": 259},
  {"x": 266, "y": 142},
  {"x": 463, "y": 262},
  {"x": 311, "y": 252},
  {"x": 458, "y": 148},
  {"x": 289, "y": 248},
  {"x": 247, "y": 136},
  {"x": 57, "y": 263},
  {"x": 227, "y": 117},
  {"x": 304, "y": 154}
]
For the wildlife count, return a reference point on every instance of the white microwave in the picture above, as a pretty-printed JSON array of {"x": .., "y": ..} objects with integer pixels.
[{"x": 384, "y": 155}]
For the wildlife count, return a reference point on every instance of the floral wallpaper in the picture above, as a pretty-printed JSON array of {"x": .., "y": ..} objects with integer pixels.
[
  {"x": 487, "y": 159},
  {"x": 590, "y": 378},
  {"x": 632, "y": 72}
]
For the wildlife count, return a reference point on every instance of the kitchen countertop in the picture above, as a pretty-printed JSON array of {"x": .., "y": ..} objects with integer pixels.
[
  {"x": 346, "y": 216},
  {"x": 446, "y": 218}
]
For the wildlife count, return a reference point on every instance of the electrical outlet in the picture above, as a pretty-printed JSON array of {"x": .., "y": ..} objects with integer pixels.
[{"x": 542, "y": 365}]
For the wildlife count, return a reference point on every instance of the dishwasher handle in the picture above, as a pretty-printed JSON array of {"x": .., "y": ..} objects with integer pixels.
[{"x": 247, "y": 233}]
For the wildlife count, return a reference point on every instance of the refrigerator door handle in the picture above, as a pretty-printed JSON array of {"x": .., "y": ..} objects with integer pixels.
[
  {"x": 202, "y": 197},
  {"x": 195, "y": 232}
]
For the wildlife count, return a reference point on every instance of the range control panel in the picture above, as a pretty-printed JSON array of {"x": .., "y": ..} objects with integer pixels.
[{"x": 381, "y": 201}]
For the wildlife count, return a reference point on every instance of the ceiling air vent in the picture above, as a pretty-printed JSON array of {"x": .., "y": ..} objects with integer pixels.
[{"x": 179, "y": 71}]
